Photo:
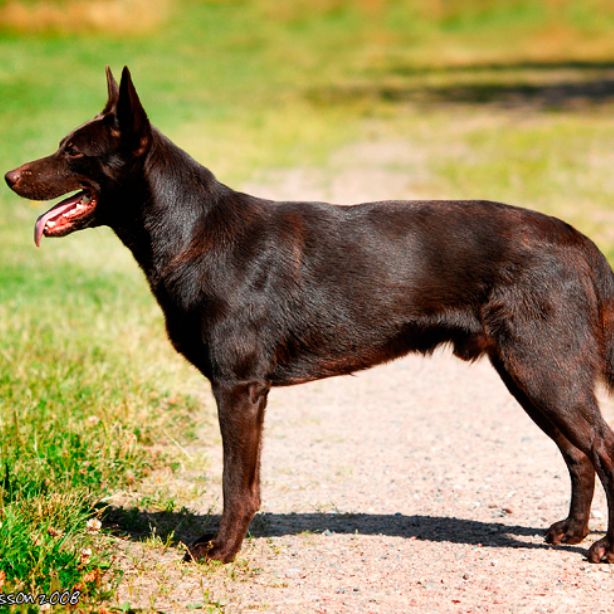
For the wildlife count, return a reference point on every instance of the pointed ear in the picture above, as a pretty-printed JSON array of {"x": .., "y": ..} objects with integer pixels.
[
  {"x": 132, "y": 120},
  {"x": 112, "y": 89}
]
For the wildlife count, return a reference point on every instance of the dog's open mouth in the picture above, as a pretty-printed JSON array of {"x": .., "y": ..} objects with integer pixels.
[{"x": 70, "y": 214}]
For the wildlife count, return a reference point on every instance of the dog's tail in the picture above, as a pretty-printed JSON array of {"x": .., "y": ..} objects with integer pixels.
[{"x": 605, "y": 291}]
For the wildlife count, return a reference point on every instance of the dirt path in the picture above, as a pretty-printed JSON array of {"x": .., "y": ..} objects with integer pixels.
[{"x": 416, "y": 486}]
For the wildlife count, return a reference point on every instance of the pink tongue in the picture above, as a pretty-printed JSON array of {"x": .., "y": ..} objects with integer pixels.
[{"x": 54, "y": 212}]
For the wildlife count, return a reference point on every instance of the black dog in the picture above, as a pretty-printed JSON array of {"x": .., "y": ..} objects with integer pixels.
[{"x": 259, "y": 294}]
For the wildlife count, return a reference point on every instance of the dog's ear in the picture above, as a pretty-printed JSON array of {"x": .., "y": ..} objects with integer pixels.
[
  {"x": 113, "y": 91},
  {"x": 132, "y": 120}
]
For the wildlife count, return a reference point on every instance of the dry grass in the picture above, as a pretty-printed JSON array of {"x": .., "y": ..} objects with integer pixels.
[{"x": 113, "y": 16}]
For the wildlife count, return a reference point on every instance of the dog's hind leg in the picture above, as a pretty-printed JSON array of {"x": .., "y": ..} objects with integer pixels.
[
  {"x": 581, "y": 422},
  {"x": 552, "y": 364},
  {"x": 241, "y": 415},
  {"x": 574, "y": 528}
]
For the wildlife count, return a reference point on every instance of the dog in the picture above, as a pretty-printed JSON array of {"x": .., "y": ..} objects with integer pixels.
[{"x": 258, "y": 294}]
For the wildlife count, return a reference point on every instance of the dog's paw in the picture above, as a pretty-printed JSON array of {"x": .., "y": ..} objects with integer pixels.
[
  {"x": 602, "y": 551},
  {"x": 206, "y": 548},
  {"x": 567, "y": 531}
]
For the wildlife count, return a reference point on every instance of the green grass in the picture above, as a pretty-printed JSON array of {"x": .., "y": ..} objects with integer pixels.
[
  {"x": 90, "y": 391},
  {"x": 80, "y": 415}
]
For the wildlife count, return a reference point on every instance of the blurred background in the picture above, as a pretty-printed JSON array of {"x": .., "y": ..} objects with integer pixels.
[{"x": 508, "y": 100}]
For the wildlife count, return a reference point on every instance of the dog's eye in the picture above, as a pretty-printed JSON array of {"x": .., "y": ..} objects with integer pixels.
[{"x": 72, "y": 151}]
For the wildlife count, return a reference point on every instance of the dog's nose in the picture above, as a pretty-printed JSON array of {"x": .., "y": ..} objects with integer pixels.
[{"x": 12, "y": 178}]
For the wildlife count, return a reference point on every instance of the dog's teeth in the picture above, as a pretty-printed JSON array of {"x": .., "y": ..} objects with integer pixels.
[{"x": 50, "y": 224}]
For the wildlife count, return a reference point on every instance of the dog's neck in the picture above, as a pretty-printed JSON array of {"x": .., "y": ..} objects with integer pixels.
[
  {"x": 183, "y": 220},
  {"x": 170, "y": 197}
]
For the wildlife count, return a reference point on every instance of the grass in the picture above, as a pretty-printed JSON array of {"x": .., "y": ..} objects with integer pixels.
[
  {"x": 505, "y": 100},
  {"x": 78, "y": 421},
  {"x": 45, "y": 16}
]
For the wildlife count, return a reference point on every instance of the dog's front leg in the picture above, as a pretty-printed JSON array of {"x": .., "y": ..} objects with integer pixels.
[{"x": 241, "y": 415}]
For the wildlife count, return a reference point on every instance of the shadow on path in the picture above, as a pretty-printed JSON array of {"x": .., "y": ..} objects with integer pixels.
[
  {"x": 184, "y": 527},
  {"x": 552, "y": 85}
]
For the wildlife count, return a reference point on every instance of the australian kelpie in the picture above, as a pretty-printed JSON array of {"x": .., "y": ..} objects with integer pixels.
[{"x": 259, "y": 294}]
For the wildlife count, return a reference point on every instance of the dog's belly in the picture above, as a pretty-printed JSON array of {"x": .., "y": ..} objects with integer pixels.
[{"x": 324, "y": 360}]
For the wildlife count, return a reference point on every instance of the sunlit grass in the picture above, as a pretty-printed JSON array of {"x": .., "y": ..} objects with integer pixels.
[{"x": 69, "y": 16}]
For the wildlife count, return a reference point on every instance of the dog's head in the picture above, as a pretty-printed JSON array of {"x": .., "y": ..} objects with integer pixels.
[{"x": 94, "y": 159}]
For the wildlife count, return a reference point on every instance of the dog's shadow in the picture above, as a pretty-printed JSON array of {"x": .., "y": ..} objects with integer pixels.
[{"x": 183, "y": 527}]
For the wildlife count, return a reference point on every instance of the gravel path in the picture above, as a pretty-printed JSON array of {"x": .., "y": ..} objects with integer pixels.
[{"x": 418, "y": 486}]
